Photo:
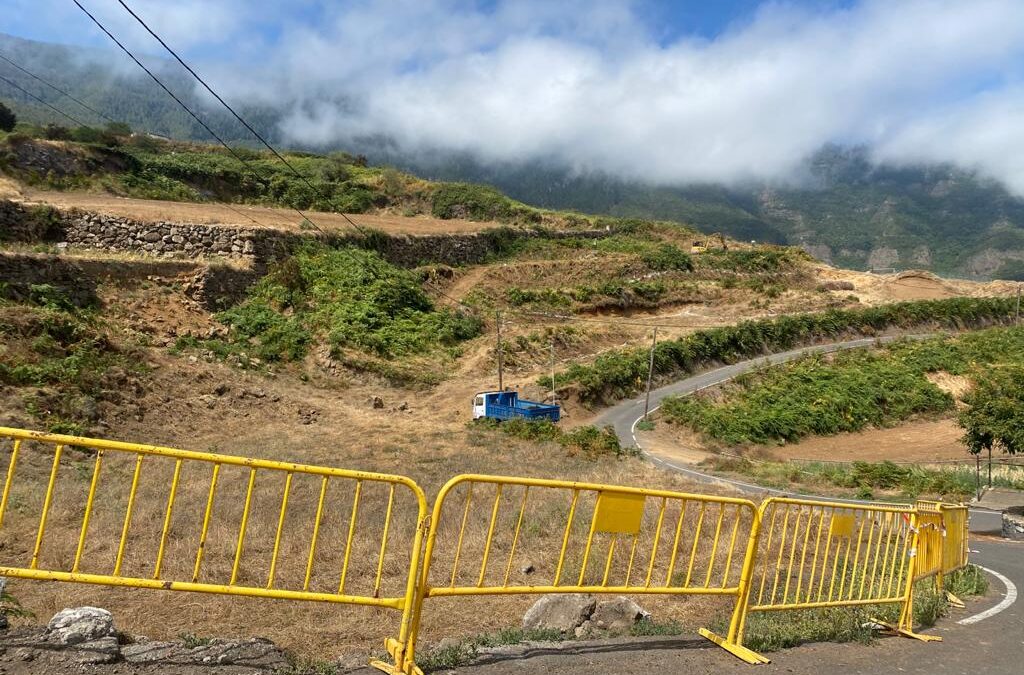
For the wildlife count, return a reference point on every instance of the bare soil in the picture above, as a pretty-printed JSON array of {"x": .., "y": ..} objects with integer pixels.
[{"x": 213, "y": 213}]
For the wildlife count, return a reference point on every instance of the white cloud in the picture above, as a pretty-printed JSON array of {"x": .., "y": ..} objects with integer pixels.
[{"x": 590, "y": 85}]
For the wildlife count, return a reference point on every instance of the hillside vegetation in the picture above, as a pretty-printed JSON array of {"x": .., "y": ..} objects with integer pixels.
[
  {"x": 621, "y": 373},
  {"x": 847, "y": 391}
]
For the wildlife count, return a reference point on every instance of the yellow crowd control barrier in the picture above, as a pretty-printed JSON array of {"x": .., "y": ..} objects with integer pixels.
[
  {"x": 812, "y": 554},
  {"x": 582, "y": 538},
  {"x": 121, "y": 514}
]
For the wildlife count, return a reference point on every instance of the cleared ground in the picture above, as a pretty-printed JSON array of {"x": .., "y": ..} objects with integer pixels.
[{"x": 244, "y": 215}]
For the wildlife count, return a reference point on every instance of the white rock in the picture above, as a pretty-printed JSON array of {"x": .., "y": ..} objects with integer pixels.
[{"x": 80, "y": 624}]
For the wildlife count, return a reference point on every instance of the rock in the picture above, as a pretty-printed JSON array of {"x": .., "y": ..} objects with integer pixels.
[
  {"x": 4, "y": 623},
  {"x": 104, "y": 650},
  {"x": 378, "y": 402},
  {"x": 25, "y": 654},
  {"x": 404, "y": 406},
  {"x": 209, "y": 400},
  {"x": 528, "y": 568},
  {"x": 559, "y": 612},
  {"x": 256, "y": 653},
  {"x": 254, "y": 393},
  {"x": 618, "y": 615},
  {"x": 584, "y": 629},
  {"x": 222, "y": 389},
  {"x": 80, "y": 624}
]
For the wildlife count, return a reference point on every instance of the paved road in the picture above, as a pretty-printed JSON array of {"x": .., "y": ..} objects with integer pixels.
[
  {"x": 994, "y": 646},
  {"x": 624, "y": 416}
]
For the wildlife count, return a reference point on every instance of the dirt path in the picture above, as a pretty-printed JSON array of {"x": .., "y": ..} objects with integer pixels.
[{"x": 212, "y": 213}]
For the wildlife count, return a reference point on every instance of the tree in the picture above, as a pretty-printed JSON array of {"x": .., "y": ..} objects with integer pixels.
[
  {"x": 7, "y": 118},
  {"x": 994, "y": 418}
]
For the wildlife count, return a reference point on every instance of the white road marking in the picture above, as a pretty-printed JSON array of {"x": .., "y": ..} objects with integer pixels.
[{"x": 1011, "y": 597}]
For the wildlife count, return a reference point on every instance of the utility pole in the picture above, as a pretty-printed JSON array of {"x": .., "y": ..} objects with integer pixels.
[
  {"x": 977, "y": 474},
  {"x": 1016, "y": 320},
  {"x": 553, "y": 395},
  {"x": 990, "y": 466},
  {"x": 650, "y": 373},
  {"x": 501, "y": 355}
]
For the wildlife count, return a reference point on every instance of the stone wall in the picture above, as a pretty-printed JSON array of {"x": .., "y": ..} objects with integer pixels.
[
  {"x": 81, "y": 229},
  {"x": 117, "y": 233}
]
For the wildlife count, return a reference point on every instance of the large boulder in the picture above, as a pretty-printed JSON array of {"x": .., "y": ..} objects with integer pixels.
[
  {"x": 563, "y": 613},
  {"x": 80, "y": 624},
  {"x": 617, "y": 615}
]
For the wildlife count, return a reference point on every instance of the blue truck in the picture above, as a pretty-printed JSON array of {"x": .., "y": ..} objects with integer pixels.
[{"x": 506, "y": 405}]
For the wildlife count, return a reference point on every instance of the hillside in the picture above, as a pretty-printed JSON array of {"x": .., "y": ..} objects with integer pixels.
[
  {"x": 845, "y": 210},
  {"x": 848, "y": 211}
]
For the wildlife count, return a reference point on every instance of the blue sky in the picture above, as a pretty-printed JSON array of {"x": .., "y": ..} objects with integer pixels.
[{"x": 666, "y": 92}]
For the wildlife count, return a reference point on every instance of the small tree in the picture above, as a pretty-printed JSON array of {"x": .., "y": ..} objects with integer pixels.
[
  {"x": 994, "y": 418},
  {"x": 7, "y": 118}
]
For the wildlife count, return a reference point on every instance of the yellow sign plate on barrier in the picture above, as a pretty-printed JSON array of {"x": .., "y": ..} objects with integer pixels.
[
  {"x": 842, "y": 525},
  {"x": 619, "y": 512}
]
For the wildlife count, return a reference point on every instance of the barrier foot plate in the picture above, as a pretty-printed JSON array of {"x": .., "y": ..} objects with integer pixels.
[
  {"x": 738, "y": 651},
  {"x": 955, "y": 601},
  {"x": 908, "y": 633},
  {"x": 395, "y": 648}
]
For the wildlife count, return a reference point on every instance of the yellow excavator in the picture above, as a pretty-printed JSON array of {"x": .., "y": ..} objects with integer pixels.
[{"x": 701, "y": 246}]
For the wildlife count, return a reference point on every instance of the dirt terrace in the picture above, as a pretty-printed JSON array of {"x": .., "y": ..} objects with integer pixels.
[{"x": 239, "y": 214}]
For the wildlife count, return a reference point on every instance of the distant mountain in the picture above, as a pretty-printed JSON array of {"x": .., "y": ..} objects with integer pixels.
[
  {"x": 848, "y": 210},
  {"x": 109, "y": 82}
]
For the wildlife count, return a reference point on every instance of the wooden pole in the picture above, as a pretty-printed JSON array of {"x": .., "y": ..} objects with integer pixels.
[
  {"x": 990, "y": 466},
  {"x": 501, "y": 354},
  {"x": 650, "y": 373},
  {"x": 977, "y": 474},
  {"x": 1016, "y": 320},
  {"x": 554, "y": 398}
]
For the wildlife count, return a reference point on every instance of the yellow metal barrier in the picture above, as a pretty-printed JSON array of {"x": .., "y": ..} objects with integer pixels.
[
  {"x": 813, "y": 554},
  {"x": 603, "y": 539},
  {"x": 153, "y": 517},
  {"x": 141, "y": 516}
]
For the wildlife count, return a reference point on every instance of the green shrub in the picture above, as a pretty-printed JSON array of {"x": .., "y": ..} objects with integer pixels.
[
  {"x": 667, "y": 257},
  {"x": 618, "y": 374},
  {"x": 351, "y": 297},
  {"x": 476, "y": 202}
]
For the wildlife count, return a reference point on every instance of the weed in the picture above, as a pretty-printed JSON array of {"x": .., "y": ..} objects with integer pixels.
[{"x": 191, "y": 641}]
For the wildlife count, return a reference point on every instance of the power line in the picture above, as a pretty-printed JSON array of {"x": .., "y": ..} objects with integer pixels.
[
  {"x": 187, "y": 109},
  {"x": 232, "y": 110},
  {"x": 39, "y": 100},
  {"x": 57, "y": 89}
]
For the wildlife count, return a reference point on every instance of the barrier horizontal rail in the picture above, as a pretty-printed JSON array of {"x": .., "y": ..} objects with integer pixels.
[
  {"x": 599, "y": 539},
  {"x": 122, "y": 514}
]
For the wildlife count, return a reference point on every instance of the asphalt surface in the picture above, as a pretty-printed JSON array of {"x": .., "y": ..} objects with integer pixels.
[{"x": 994, "y": 646}]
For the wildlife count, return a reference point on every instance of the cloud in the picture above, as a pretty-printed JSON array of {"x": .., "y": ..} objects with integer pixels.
[
  {"x": 591, "y": 85},
  {"x": 596, "y": 91}
]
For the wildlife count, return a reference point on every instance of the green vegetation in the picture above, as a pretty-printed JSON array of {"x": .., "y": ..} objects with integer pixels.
[
  {"x": 7, "y": 118},
  {"x": 994, "y": 417},
  {"x": 866, "y": 480},
  {"x": 463, "y": 652},
  {"x": 772, "y": 631},
  {"x": 350, "y": 298},
  {"x": 649, "y": 627},
  {"x": 814, "y": 396},
  {"x": 58, "y": 354},
  {"x": 587, "y": 440},
  {"x": 848, "y": 391},
  {"x": 618, "y": 374}
]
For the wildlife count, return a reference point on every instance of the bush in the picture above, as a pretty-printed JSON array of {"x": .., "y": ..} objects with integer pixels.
[
  {"x": 476, "y": 202},
  {"x": 618, "y": 374},
  {"x": 666, "y": 257},
  {"x": 350, "y": 296},
  {"x": 8, "y": 119},
  {"x": 589, "y": 440}
]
